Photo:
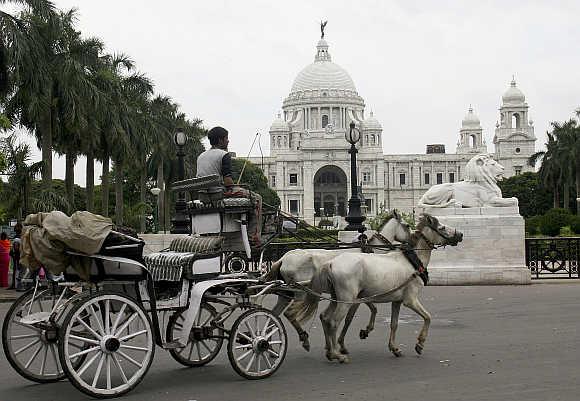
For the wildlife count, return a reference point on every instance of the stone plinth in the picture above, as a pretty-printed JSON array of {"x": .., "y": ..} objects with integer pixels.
[{"x": 492, "y": 251}]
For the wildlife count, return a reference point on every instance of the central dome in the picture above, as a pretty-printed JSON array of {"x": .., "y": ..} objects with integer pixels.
[{"x": 323, "y": 74}]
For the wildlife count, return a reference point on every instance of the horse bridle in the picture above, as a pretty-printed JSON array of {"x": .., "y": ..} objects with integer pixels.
[{"x": 445, "y": 237}]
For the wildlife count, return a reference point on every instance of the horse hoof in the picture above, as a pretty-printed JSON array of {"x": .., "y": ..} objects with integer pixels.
[
  {"x": 329, "y": 356},
  {"x": 306, "y": 345},
  {"x": 363, "y": 334},
  {"x": 343, "y": 359},
  {"x": 344, "y": 351},
  {"x": 397, "y": 352},
  {"x": 419, "y": 349}
]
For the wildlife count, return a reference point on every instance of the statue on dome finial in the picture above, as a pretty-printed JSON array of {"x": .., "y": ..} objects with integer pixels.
[{"x": 322, "y": 26}]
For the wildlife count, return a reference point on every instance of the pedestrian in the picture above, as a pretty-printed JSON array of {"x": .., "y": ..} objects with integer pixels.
[
  {"x": 4, "y": 259},
  {"x": 17, "y": 269}
]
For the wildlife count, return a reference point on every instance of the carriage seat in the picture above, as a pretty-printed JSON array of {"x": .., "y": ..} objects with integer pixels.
[{"x": 188, "y": 257}]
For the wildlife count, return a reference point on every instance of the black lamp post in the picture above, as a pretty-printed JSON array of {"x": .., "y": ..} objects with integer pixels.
[
  {"x": 354, "y": 217},
  {"x": 180, "y": 222}
]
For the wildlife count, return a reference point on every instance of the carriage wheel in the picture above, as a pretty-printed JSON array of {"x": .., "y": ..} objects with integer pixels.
[
  {"x": 258, "y": 344},
  {"x": 31, "y": 347},
  {"x": 117, "y": 341},
  {"x": 201, "y": 346}
]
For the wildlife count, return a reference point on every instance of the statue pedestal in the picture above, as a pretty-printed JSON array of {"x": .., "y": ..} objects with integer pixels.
[{"x": 492, "y": 251}]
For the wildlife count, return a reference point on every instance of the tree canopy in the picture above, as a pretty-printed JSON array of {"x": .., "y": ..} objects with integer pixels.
[{"x": 255, "y": 179}]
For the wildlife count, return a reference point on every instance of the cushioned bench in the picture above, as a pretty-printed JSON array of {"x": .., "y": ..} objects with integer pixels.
[{"x": 187, "y": 257}]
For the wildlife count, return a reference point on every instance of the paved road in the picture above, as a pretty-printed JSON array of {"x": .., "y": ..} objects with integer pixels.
[{"x": 486, "y": 343}]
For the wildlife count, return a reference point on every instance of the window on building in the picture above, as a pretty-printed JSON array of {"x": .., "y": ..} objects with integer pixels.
[
  {"x": 518, "y": 150},
  {"x": 294, "y": 206},
  {"x": 369, "y": 205},
  {"x": 273, "y": 181},
  {"x": 451, "y": 177},
  {"x": 293, "y": 179},
  {"x": 366, "y": 177},
  {"x": 427, "y": 179},
  {"x": 518, "y": 170},
  {"x": 439, "y": 178},
  {"x": 402, "y": 179},
  {"x": 324, "y": 120},
  {"x": 372, "y": 139}
]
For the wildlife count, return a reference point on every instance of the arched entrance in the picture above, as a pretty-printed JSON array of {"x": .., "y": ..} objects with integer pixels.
[{"x": 330, "y": 191}]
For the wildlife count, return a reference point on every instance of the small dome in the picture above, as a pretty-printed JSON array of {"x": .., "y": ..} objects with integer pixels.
[
  {"x": 371, "y": 123},
  {"x": 470, "y": 120},
  {"x": 513, "y": 94},
  {"x": 279, "y": 125}
]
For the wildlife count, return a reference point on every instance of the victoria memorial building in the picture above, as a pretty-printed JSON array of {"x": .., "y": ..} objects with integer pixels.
[{"x": 309, "y": 166}]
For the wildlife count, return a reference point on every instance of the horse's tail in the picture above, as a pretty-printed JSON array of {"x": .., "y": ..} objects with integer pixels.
[
  {"x": 274, "y": 272},
  {"x": 302, "y": 310}
]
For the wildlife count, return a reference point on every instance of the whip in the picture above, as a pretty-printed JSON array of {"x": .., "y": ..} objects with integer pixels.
[{"x": 250, "y": 151}]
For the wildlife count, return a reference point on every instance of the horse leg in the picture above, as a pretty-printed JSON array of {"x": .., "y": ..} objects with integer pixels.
[
  {"x": 324, "y": 317},
  {"x": 395, "y": 309},
  {"x": 302, "y": 335},
  {"x": 333, "y": 321},
  {"x": 415, "y": 305},
  {"x": 350, "y": 315},
  {"x": 371, "y": 326}
]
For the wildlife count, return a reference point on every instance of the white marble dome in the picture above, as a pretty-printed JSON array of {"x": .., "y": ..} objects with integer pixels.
[
  {"x": 470, "y": 120},
  {"x": 371, "y": 123},
  {"x": 513, "y": 94},
  {"x": 323, "y": 74}
]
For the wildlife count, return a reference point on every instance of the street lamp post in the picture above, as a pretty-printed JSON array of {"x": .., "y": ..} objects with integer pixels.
[
  {"x": 156, "y": 191},
  {"x": 354, "y": 218},
  {"x": 180, "y": 222}
]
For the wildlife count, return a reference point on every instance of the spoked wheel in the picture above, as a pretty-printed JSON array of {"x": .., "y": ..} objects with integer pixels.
[
  {"x": 204, "y": 342},
  {"x": 30, "y": 340},
  {"x": 258, "y": 344},
  {"x": 115, "y": 334}
]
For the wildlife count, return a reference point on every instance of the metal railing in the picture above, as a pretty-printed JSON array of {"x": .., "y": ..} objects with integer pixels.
[{"x": 553, "y": 257}]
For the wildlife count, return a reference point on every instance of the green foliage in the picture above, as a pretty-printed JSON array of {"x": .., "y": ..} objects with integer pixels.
[
  {"x": 554, "y": 220},
  {"x": 575, "y": 224},
  {"x": 533, "y": 225},
  {"x": 133, "y": 215},
  {"x": 384, "y": 215},
  {"x": 254, "y": 177},
  {"x": 4, "y": 122},
  {"x": 534, "y": 198}
]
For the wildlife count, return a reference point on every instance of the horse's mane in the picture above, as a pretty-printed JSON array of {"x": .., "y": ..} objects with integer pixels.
[
  {"x": 384, "y": 223},
  {"x": 477, "y": 172}
]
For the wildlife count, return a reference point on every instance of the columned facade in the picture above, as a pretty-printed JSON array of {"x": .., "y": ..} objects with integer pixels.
[{"x": 309, "y": 164}]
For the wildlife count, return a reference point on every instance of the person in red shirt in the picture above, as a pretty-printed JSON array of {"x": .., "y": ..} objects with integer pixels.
[{"x": 4, "y": 259}]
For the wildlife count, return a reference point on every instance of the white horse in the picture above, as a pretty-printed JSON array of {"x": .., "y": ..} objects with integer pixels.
[
  {"x": 301, "y": 265},
  {"x": 379, "y": 279}
]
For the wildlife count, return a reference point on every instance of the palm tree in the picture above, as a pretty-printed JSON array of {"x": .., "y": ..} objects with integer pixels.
[
  {"x": 549, "y": 172},
  {"x": 21, "y": 174},
  {"x": 568, "y": 134}
]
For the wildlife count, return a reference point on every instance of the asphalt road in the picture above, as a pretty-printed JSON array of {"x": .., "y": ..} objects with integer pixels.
[{"x": 485, "y": 343}]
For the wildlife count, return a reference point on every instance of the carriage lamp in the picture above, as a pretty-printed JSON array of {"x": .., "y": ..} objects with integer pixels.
[
  {"x": 180, "y": 222},
  {"x": 354, "y": 218}
]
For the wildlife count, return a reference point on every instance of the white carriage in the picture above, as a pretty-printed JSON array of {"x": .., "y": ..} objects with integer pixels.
[{"x": 102, "y": 333}]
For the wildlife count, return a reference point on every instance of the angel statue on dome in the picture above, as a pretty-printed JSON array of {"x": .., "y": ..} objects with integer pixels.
[{"x": 322, "y": 26}]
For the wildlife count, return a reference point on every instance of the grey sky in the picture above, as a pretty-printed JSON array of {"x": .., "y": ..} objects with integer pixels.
[{"x": 417, "y": 64}]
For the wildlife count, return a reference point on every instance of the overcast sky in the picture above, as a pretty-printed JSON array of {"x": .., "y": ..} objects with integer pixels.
[{"x": 417, "y": 64}]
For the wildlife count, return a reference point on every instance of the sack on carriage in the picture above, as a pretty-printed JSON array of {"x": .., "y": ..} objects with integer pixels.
[{"x": 47, "y": 236}]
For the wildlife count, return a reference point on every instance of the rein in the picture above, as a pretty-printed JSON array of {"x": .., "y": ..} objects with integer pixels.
[{"x": 358, "y": 300}]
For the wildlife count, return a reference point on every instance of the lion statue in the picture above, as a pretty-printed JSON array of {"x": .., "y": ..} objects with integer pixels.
[{"x": 479, "y": 188}]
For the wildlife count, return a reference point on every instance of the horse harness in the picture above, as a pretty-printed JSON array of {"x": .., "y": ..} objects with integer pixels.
[{"x": 409, "y": 253}]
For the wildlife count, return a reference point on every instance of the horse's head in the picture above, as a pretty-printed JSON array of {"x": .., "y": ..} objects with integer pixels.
[
  {"x": 396, "y": 229},
  {"x": 437, "y": 233}
]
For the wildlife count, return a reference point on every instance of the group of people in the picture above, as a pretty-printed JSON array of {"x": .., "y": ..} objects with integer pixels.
[{"x": 10, "y": 251}]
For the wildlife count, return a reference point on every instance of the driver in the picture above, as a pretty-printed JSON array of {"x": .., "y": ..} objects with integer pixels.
[{"x": 217, "y": 160}]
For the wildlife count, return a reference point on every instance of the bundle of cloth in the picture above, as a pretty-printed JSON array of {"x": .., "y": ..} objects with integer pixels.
[{"x": 47, "y": 236}]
